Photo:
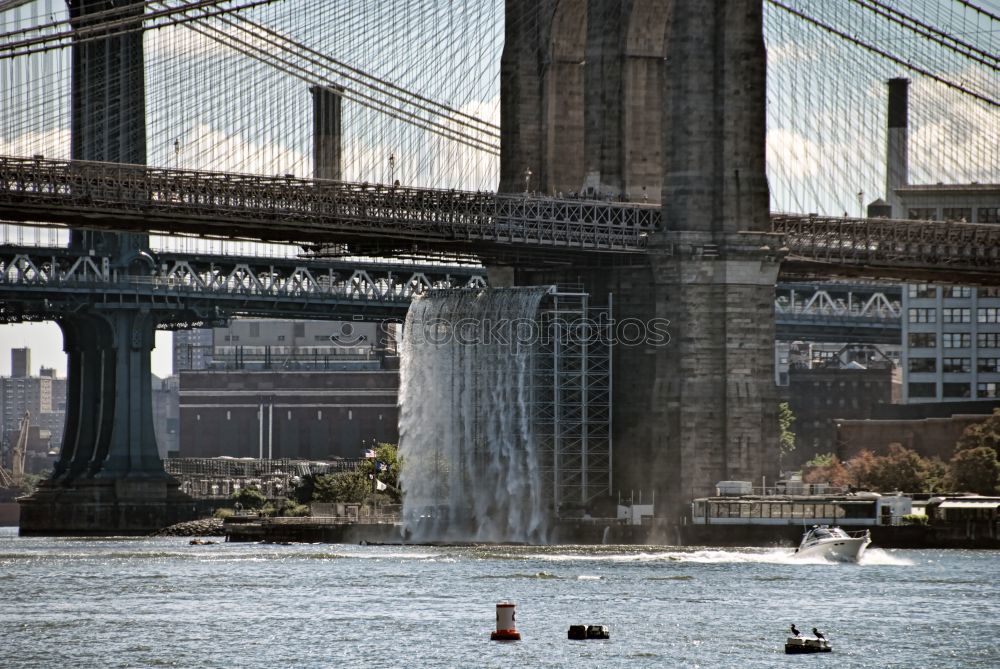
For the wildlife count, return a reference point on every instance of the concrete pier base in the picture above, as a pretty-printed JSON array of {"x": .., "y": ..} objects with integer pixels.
[{"x": 105, "y": 507}]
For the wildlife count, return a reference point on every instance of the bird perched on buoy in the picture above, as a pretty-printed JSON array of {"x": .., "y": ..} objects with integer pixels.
[
  {"x": 794, "y": 631},
  {"x": 818, "y": 634}
]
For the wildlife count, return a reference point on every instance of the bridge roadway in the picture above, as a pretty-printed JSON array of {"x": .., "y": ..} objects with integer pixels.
[
  {"x": 393, "y": 220},
  {"x": 198, "y": 290}
]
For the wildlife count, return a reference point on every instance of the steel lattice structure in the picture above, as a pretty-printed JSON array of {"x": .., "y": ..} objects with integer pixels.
[
  {"x": 887, "y": 248},
  {"x": 409, "y": 220},
  {"x": 287, "y": 209},
  {"x": 572, "y": 400},
  {"x": 39, "y": 283}
]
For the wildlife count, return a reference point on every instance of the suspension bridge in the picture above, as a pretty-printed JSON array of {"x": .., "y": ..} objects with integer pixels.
[{"x": 626, "y": 162}]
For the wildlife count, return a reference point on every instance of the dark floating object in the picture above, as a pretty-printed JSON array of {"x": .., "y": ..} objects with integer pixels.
[
  {"x": 582, "y": 632},
  {"x": 598, "y": 632},
  {"x": 795, "y": 645}
]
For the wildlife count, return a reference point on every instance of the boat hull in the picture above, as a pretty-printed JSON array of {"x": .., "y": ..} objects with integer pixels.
[{"x": 837, "y": 549}]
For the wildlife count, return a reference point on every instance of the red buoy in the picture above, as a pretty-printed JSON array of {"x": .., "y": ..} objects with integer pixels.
[{"x": 506, "y": 629}]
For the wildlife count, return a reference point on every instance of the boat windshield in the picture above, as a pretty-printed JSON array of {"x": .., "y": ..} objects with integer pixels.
[{"x": 827, "y": 533}]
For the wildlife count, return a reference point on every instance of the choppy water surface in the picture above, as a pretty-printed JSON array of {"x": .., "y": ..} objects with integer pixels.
[{"x": 162, "y": 602}]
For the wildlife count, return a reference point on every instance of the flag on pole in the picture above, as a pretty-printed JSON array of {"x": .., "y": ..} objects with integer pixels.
[
  {"x": 369, "y": 453},
  {"x": 379, "y": 485}
]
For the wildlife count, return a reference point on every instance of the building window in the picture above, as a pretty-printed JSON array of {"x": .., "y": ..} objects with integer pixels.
[
  {"x": 988, "y": 340},
  {"x": 319, "y": 414},
  {"x": 235, "y": 338},
  {"x": 962, "y": 292},
  {"x": 956, "y": 365},
  {"x": 255, "y": 329},
  {"x": 281, "y": 337},
  {"x": 289, "y": 414},
  {"x": 956, "y": 315},
  {"x": 921, "y": 315},
  {"x": 988, "y": 365},
  {"x": 961, "y": 214},
  {"x": 956, "y": 390},
  {"x": 987, "y": 389},
  {"x": 921, "y": 290},
  {"x": 922, "y": 214},
  {"x": 350, "y": 414},
  {"x": 229, "y": 415},
  {"x": 920, "y": 365},
  {"x": 922, "y": 389},
  {"x": 321, "y": 337},
  {"x": 956, "y": 340},
  {"x": 298, "y": 329},
  {"x": 988, "y": 215},
  {"x": 987, "y": 314}
]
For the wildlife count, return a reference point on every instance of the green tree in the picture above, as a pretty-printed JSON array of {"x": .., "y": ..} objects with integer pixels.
[
  {"x": 786, "y": 437},
  {"x": 346, "y": 487},
  {"x": 975, "y": 470},
  {"x": 388, "y": 455},
  {"x": 826, "y": 468},
  {"x": 250, "y": 497}
]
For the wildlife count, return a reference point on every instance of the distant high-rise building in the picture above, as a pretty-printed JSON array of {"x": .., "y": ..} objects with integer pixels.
[
  {"x": 20, "y": 362},
  {"x": 192, "y": 350}
]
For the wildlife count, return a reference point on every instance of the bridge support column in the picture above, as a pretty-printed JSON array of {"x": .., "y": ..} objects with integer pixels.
[
  {"x": 327, "y": 132},
  {"x": 109, "y": 478}
]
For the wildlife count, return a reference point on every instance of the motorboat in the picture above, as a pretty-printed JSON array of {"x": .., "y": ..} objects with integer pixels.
[{"x": 833, "y": 543}]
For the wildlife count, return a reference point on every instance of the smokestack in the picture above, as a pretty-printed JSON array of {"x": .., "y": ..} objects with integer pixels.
[
  {"x": 897, "y": 163},
  {"x": 327, "y": 131}
]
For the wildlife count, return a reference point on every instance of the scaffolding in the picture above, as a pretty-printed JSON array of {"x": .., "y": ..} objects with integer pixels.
[{"x": 572, "y": 399}]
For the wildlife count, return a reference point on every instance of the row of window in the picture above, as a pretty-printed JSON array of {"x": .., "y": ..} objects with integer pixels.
[
  {"x": 955, "y": 365},
  {"x": 953, "y": 340},
  {"x": 962, "y": 214},
  {"x": 929, "y": 291},
  {"x": 953, "y": 315},
  {"x": 783, "y": 510},
  {"x": 953, "y": 390}
]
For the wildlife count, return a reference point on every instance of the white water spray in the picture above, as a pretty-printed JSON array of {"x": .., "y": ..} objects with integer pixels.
[{"x": 471, "y": 468}]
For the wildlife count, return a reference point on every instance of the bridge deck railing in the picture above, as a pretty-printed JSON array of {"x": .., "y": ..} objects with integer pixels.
[{"x": 307, "y": 208}]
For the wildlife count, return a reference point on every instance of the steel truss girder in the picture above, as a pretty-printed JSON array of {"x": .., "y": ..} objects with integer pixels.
[
  {"x": 39, "y": 282},
  {"x": 887, "y": 248},
  {"x": 135, "y": 197}
]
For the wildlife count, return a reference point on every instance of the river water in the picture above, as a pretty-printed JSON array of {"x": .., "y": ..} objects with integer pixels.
[{"x": 162, "y": 602}]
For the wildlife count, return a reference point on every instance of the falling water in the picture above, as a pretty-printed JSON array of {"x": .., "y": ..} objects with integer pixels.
[{"x": 471, "y": 469}]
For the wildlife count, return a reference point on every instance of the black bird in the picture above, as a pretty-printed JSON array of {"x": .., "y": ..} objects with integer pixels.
[
  {"x": 794, "y": 631},
  {"x": 818, "y": 634}
]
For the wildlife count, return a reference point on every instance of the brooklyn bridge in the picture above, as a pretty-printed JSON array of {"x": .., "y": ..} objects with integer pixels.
[{"x": 631, "y": 159}]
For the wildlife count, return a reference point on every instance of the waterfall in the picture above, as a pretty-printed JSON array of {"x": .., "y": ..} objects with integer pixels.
[{"x": 471, "y": 470}]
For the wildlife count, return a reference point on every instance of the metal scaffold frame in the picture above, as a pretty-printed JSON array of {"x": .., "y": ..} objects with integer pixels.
[{"x": 572, "y": 399}]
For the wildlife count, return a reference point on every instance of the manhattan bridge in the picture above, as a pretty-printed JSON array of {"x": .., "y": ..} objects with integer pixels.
[{"x": 166, "y": 164}]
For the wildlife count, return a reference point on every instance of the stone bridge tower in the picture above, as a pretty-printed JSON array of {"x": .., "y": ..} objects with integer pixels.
[{"x": 673, "y": 98}]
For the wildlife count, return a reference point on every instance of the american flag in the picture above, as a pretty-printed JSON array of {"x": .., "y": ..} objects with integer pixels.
[{"x": 369, "y": 453}]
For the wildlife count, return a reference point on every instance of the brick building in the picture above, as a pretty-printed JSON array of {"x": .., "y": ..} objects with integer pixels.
[{"x": 288, "y": 414}]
